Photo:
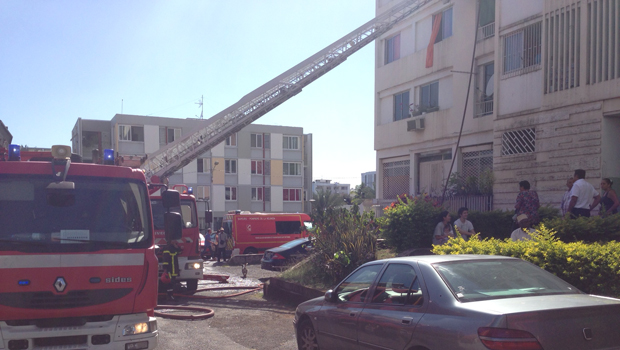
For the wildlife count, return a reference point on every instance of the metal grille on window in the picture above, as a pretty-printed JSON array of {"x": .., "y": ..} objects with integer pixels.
[
  {"x": 603, "y": 41},
  {"x": 519, "y": 142},
  {"x": 476, "y": 163},
  {"x": 563, "y": 48},
  {"x": 522, "y": 50},
  {"x": 395, "y": 178}
]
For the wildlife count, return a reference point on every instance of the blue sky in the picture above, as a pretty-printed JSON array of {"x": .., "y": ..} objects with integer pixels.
[{"x": 63, "y": 60}]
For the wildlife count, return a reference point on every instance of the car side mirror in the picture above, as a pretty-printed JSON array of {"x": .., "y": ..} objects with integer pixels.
[
  {"x": 331, "y": 296},
  {"x": 171, "y": 198}
]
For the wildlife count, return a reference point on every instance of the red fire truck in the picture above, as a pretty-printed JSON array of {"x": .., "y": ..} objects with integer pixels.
[
  {"x": 256, "y": 232},
  {"x": 190, "y": 262},
  {"x": 77, "y": 260}
]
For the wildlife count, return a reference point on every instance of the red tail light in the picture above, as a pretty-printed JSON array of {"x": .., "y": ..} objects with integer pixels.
[
  {"x": 508, "y": 339},
  {"x": 277, "y": 256}
]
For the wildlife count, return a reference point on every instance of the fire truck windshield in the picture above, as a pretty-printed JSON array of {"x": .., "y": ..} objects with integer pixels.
[
  {"x": 187, "y": 211},
  {"x": 103, "y": 213}
]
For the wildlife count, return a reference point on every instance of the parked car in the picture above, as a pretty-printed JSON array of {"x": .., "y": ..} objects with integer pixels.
[
  {"x": 439, "y": 302},
  {"x": 286, "y": 254}
]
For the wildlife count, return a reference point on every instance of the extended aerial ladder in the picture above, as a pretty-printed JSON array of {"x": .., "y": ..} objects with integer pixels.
[{"x": 259, "y": 102}]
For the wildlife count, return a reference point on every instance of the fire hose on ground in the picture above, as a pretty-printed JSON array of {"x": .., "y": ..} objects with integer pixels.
[{"x": 203, "y": 312}]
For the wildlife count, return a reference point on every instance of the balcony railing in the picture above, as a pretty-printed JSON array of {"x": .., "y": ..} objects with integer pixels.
[
  {"x": 486, "y": 31},
  {"x": 484, "y": 107}
]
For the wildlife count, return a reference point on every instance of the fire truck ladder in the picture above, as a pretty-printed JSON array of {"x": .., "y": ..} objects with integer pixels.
[{"x": 259, "y": 102}]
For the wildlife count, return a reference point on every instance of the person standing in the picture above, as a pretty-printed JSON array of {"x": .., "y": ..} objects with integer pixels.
[
  {"x": 443, "y": 230},
  {"x": 609, "y": 199},
  {"x": 525, "y": 230},
  {"x": 566, "y": 198},
  {"x": 221, "y": 245},
  {"x": 527, "y": 202},
  {"x": 464, "y": 226},
  {"x": 584, "y": 197}
]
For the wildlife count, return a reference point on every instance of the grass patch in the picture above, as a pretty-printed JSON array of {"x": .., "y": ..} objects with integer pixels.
[{"x": 303, "y": 273}]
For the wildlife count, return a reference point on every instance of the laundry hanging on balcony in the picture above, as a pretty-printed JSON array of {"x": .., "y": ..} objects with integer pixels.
[{"x": 431, "y": 44}]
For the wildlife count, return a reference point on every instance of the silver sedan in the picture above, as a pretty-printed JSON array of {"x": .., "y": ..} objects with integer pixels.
[{"x": 446, "y": 302}]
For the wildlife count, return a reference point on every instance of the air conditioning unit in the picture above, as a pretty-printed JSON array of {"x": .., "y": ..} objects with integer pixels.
[{"x": 415, "y": 124}]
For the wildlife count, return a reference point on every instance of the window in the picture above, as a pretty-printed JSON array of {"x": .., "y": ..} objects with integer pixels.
[
  {"x": 290, "y": 142},
  {"x": 399, "y": 285},
  {"x": 230, "y": 193},
  {"x": 445, "y": 30},
  {"x": 256, "y": 140},
  {"x": 230, "y": 166},
  {"x": 231, "y": 140},
  {"x": 266, "y": 167},
  {"x": 484, "y": 90},
  {"x": 519, "y": 142},
  {"x": 429, "y": 97},
  {"x": 476, "y": 163},
  {"x": 395, "y": 178},
  {"x": 168, "y": 135},
  {"x": 486, "y": 23},
  {"x": 355, "y": 287},
  {"x": 401, "y": 105},
  {"x": 203, "y": 165},
  {"x": 131, "y": 133},
  {"x": 392, "y": 49},
  {"x": 267, "y": 194},
  {"x": 257, "y": 167},
  {"x": 522, "y": 50},
  {"x": 291, "y": 169},
  {"x": 288, "y": 227},
  {"x": 563, "y": 48},
  {"x": 602, "y": 43},
  {"x": 257, "y": 193},
  {"x": 291, "y": 195}
]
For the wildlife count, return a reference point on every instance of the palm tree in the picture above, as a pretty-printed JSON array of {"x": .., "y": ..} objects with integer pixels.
[
  {"x": 324, "y": 200},
  {"x": 362, "y": 192}
]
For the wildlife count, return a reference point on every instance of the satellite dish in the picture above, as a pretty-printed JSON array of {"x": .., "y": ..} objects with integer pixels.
[{"x": 490, "y": 86}]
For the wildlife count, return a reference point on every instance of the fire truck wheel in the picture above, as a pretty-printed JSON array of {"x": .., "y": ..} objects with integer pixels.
[
  {"x": 250, "y": 250},
  {"x": 192, "y": 285}
]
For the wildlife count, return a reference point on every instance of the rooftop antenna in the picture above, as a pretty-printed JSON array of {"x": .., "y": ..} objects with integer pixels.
[{"x": 200, "y": 104}]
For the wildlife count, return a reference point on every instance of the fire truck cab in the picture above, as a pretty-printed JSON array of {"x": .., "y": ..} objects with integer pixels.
[{"x": 77, "y": 259}]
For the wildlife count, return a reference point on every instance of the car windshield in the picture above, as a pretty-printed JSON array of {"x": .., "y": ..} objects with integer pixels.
[
  {"x": 107, "y": 213},
  {"x": 293, "y": 243},
  {"x": 477, "y": 280},
  {"x": 187, "y": 211}
]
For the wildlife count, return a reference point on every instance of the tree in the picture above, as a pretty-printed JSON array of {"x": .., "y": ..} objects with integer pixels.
[
  {"x": 362, "y": 192},
  {"x": 324, "y": 200}
]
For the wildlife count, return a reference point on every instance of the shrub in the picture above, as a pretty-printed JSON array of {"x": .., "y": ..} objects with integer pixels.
[
  {"x": 344, "y": 241},
  {"x": 496, "y": 223},
  {"x": 593, "y": 268},
  {"x": 410, "y": 224},
  {"x": 593, "y": 229}
]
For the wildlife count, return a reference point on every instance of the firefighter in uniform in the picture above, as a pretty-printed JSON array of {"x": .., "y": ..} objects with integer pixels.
[{"x": 171, "y": 267}]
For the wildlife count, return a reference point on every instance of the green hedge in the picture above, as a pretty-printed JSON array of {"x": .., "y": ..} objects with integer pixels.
[
  {"x": 593, "y": 268},
  {"x": 593, "y": 229},
  {"x": 410, "y": 224}
]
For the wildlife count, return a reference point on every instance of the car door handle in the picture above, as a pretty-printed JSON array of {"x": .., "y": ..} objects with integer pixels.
[{"x": 407, "y": 320}]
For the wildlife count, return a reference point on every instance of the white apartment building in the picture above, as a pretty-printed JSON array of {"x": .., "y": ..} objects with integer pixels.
[
  {"x": 327, "y": 185},
  {"x": 544, "y": 100},
  {"x": 262, "y": 168},
  {"x": 369, "y": 178}
]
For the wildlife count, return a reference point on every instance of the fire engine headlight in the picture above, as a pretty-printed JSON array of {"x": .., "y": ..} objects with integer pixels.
[
  {"x": 137, "y": 328},
  {"x": 193, "y": 266}
]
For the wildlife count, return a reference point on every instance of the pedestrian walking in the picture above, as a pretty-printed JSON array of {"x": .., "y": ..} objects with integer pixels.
[
  {"x": 566, "y": 198},
  {"x": 609, "y": 199},
  {"x": 584, "y": 197},
  {"x": 464, "y": 226},
  {"x": 527, "y": 202},
  {"x": 443, "y": 230}
]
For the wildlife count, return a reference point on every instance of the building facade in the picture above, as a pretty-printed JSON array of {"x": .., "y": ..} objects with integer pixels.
[
  {"x": 369, "y": 179},
  {"x": 544, "y": 96},
  {"x": 327, "y": 185},
  {"x": 262, "y": 168}
]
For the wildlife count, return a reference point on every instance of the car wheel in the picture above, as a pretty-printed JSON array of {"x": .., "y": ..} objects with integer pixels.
[
  {"x": 250, "y": 250},
  {"x": 192, "y": 285},
  {"x": 307, "y": 337}
]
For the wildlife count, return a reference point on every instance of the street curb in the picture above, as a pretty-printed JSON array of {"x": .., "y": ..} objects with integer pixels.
[{"x": 278, "y": 288}]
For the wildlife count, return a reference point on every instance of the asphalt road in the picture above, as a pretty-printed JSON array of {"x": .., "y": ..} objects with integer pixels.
[{"x": 242, "y": 322}]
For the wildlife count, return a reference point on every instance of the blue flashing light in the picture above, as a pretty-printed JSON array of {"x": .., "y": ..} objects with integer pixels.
[
  {"x": 108, "y": 156},
  {"x": 190, "y": 190},
  {"x": 24, "y": 283},
  {"x": 14, "y": 153}
]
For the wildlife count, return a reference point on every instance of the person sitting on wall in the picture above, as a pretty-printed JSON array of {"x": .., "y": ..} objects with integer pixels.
[{"x": 464, "y": 226}]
